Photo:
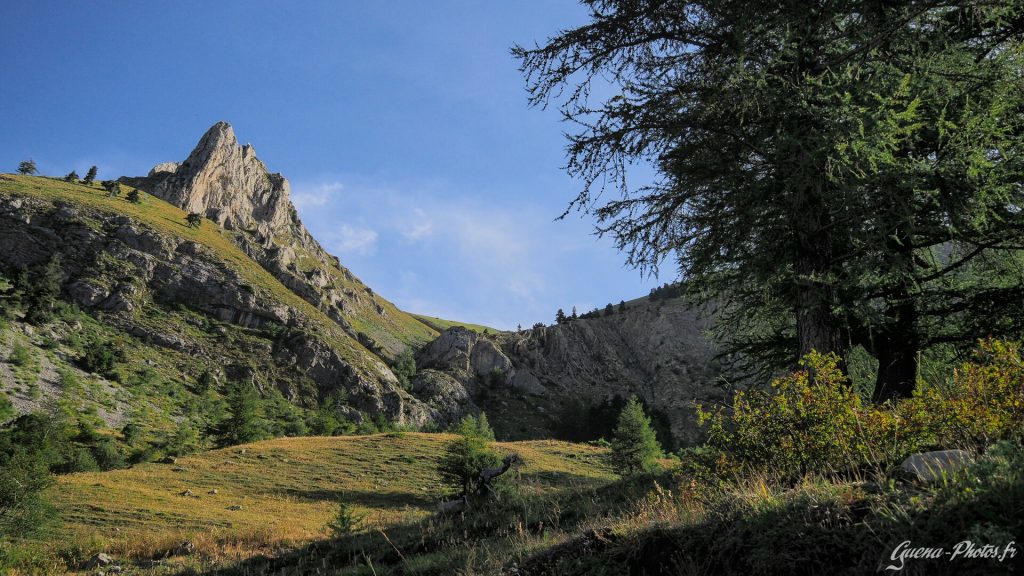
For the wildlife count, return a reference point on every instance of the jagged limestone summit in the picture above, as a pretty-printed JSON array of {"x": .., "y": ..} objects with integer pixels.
[{"x": 226, "y": 183}]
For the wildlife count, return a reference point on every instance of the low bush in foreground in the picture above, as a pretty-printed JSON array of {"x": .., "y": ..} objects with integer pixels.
[{"x": 813, "y": 421}]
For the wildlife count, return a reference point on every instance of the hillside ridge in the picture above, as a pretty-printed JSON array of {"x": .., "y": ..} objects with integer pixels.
[{"x": 141, "y": 272}]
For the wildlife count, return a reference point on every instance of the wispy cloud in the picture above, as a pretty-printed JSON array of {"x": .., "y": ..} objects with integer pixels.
[
  {"x": 498, "y": 247},
  {"x": 317, "y": 195},
  {"x": 352, "y": 240},
  {"x": 441, "y": 251},
  {"x": 420, "y": 226}
]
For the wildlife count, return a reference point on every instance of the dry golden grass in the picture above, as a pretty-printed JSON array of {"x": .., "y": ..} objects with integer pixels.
[{"x": 288, "y": 490}]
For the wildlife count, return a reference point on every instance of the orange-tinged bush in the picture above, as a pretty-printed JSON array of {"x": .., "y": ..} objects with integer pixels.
[
  {"x": 813, "y": 421},
  {"x": 808, "y": 420},
  {"x": 985, "y": 402}
]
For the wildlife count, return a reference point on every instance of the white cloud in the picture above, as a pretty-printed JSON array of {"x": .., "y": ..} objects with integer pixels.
[
  {"x": 432, "y": 250},
  {"x": 498, "y": 247},
  {"x": 352, "y": 240},
  {"x": 317, "y": 195},
  {"x": 419, "y": 226}
]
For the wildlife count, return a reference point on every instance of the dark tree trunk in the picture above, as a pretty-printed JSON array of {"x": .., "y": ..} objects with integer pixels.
[
  {"x": 897, "y": 372},
  {"x": 817, "y": 328},
  {"x": 899, "y": 344},
  {"x": 897, "y": 350}
]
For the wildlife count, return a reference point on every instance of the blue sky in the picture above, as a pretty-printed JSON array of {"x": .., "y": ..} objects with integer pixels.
[{"x": 403, "y": 127}]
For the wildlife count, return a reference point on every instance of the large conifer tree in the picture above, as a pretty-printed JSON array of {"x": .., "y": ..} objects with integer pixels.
[{"x": 829, "y": 173}]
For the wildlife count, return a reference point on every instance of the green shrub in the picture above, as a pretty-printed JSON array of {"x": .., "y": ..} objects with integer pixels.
[
  {"x": 984, "y": 403},
  {"x": 495, "y": 377},
  {"x": 22, "y": 480},
  {"x": 133, "y": 433},
  {"x": 463, "y": 460},
  {"x": 101, "y": 358},
  {"x": 41, "y": 296},
  {"x": 69, "y": 380},
  {"x": 273, "y": 329},
  {"x": 471, "y": 425},
  {"x": 245, "y": 421},
  {"x": 283, "y": 418},
  {"x": 810, "y": 420},
  {"x": 139, "y": 378},
  {"x": 325, "y": 422},
  {"x": 634, "y": 445},
  {"x": 77, "y": 459},
  {"x": 107, "y": 455},
  {"x": 184, "y": 440},
  {"x": 346, "y": 521},
  {"x": 6, "y": 408},
  {"x": 405, "y": 369},
  {"x": 145, "y": 454},
  {"x": 366, "y": 426},
  {"x": 43, "y": 435},
  {"x": 814, "y": 421},
  {"x": 205, "y": 382}
]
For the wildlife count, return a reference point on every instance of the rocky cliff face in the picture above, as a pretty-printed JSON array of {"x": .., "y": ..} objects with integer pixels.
[
  {"x": 550, "y": 380},
  {"x": 229, "y": 185},
  {"x": 133, "y": 276}
]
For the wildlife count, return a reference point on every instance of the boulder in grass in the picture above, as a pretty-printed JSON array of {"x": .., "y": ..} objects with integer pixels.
[
  {"x": 100, "y": 559},
  {"x": 929, "y": 467}
]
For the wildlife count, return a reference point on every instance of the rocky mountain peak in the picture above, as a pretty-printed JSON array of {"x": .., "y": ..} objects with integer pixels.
[{"x": 226, "y": 183}]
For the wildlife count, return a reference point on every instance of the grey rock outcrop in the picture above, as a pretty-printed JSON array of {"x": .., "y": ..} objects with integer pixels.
[
  {"x": 464, "y": 352},
  {"x": 533, "y": 383},
  {"x": 930, "y": 467},
  {"x": 99, "y": 560},
  {"x": 164, "y": 167},
  {"x": 447, "y": 396}
]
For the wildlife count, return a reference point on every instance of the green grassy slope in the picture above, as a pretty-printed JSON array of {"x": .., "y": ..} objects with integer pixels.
[
  {"x": 561, "y": 513},
  {"x": 441, "y": 324},
  {"x": 287, "y": 490}
]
